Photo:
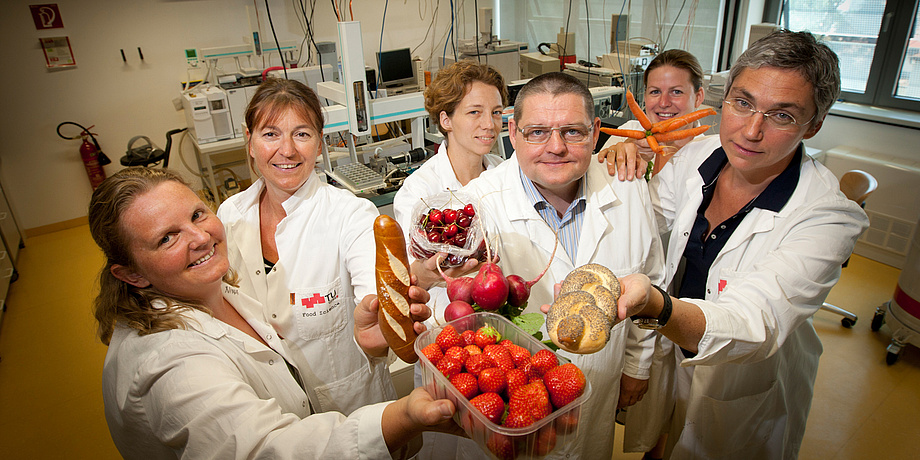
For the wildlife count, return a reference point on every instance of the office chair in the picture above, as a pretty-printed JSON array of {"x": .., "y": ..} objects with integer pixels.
[{"x": 857, "y": 186}]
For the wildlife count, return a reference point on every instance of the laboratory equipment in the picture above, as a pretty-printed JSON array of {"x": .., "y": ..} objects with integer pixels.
[
  {"x": 396, "y": 68},
  {"x": 309, "y": 76},
  {"x": 353, "y": 111},
  {"x": 535, "y": 64},
  {"x": 207, "y": 112},
  {"x": 902, "y": 312}
]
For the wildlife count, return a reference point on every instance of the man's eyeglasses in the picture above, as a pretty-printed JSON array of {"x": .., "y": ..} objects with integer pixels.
[
  {"x": 571, "y": 134},
  {"x": 777, "y": 118}
]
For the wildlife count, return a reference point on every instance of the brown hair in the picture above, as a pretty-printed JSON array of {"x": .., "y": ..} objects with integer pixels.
[
  {"x": 452, "y": 84},
  {"x": 556, "y": 84},
  {"x": 679, "y": 59},
  {"x": 275, "y": 96},
  {"x": 119, "y": 301}
]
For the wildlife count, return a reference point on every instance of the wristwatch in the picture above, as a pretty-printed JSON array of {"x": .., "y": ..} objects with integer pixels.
[{"x": 663, "y": 317}]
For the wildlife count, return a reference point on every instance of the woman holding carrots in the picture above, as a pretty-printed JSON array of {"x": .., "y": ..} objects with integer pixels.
[{"x": 673, "y": 90}]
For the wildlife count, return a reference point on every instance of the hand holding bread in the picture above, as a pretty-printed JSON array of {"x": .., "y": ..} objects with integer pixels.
[{"x": 393, "y": 280}]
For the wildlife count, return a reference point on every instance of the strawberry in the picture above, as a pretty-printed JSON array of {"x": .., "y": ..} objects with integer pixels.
[
  {"x": 518, "y": 419},
  {"x": 473, "y": 349},
  {"x": 466, "y": 384},
  {"x": 433, "y": 352},
  {"x": 516, "y": 379},
  {"x": 457, "y": 353},
  {"x": 564, "y": 383},
  {"x": 448, "y": 337},
  {"x": 500, "y": 355},
  {"x": 546, "y": 440},
  {"x": 491, "y": 405},
  {"x": 501, "y": 446},
  {"x": 467, "y": 337},
  {"x": 543, "y": 361},
  {"x": 486, "y": 335},
  {"x": 529, "y": 372},
  {"x": 492, "y": 380},
  {"x": 449, "y": 367},
  {"x": 477, "y": 363},
  {"x": 505, "y": 343},
  {"x": 531, "y": 398},
  {"x": 568, "y": 422},
  {"x": 519, "y": 354}
]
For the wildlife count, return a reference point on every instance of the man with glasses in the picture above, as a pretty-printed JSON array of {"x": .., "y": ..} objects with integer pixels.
[
  {"x": 552, "y": 187},
  {"x": 758, "y": 234}
]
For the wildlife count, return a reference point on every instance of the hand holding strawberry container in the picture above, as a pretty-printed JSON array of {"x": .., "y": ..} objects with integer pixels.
[
  {"x": 447, "y": 222},
  {"x": 515, "y": 398}
]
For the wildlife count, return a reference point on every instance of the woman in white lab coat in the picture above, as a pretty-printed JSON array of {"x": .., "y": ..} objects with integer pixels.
[
  {"x": 673, "y": 88},
  {"x": 466, "y": 100},
  {"x": 758, "y": 233},
  {"x": 190, "y": 371},
  {"x": 305, "y": 250}
]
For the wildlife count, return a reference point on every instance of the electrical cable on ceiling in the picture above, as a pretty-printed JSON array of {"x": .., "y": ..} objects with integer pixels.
[
  {"x": 351, "y": 11},
  {"x": 268, "y": 12},
  {"x": 565, "y": 42},
  {"x": 476, "y": 36},
  {"x": 665, "y": 43},
  {"x": 588, "y": 37},
  {"x": 335, "y": 9}
]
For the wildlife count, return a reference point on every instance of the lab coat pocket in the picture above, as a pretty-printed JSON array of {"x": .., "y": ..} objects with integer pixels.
[
  {"x": 321, "y": 311},
  {"x": 359, "y": 389},
  {"x": 739, "y": 428}
]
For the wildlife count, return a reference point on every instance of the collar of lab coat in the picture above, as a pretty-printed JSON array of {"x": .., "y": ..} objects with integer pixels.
[{"x": 597, "y": 194}]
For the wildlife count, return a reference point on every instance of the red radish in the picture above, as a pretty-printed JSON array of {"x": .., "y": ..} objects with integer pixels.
[
  {"x": 519, "y": 289},
  {"x": 457, "y": 309},
  {"x": 490, "y": 287},
  {"x": 457, "y": 288}
]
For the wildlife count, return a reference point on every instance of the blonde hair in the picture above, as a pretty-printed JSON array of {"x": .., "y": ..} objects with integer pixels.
[{"x": 118, "y": 301}]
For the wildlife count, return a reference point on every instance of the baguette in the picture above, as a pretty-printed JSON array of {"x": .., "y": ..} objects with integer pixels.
[{"x": 392, "y": 274}]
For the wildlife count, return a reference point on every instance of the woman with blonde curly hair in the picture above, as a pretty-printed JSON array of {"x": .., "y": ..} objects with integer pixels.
[{"x": 189, "y": 371}]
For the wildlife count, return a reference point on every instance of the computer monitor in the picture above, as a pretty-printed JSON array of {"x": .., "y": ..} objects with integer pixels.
[{"x": 395, "y": 68}]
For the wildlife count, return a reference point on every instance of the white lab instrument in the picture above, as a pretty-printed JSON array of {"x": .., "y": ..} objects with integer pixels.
[
  {"x": 309, "y": 76},
  {"x": 219, "y": 107},
  {"x": 535, "y": 64},
  {"x": 356, "y": 113}
]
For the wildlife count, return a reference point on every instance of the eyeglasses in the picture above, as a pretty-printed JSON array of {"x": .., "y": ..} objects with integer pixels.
[
  {"x": 571, "y": 134},
  {"x": 778, "y": 119}
]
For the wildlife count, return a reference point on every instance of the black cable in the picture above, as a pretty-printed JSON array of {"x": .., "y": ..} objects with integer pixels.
[
  {"x": 277, "y": 43},
  {"x": 103, "y": 159},
  {"x": 565, "y": 42},
  {"x": 664, "y": 46},
  {"x": 588, "y": 40},
  {"x": 476, "y": 38}
]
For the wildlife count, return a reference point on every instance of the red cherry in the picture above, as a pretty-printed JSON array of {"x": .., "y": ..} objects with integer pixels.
[
  {"x": 464, "y": 220},
  {"x": 469, "y": 210},
  {"x": 434, "y": 237},
  {"x": 451, "y": 230},
  {"x": 460, "y": 239},
  {"x": 450, "y": 216},
  {"x": 435, "y": 216}
]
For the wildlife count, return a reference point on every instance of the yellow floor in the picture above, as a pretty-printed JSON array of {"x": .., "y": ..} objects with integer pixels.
[{"x": 50, "y": 364}]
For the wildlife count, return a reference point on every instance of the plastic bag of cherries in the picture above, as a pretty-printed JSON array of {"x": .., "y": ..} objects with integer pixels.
[{"x": 447, "y": 222}]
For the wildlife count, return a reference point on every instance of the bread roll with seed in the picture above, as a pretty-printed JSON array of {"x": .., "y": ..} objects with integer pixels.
[
  {"x": 580, "y": 319},
  {"x": 392, "y": 273}
]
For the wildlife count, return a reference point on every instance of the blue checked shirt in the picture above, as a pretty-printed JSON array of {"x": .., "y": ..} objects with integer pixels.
[{"x": 567, "y": 227}]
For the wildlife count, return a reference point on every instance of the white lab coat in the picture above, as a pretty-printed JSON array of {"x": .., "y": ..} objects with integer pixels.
[
  {"x": 619, "y": 232},
  {"x": 326, "y": 256},
  {"x": 213, "y": 391},
  {"x": 433, "y": 177},
  {"x": 751, "y": 383}
]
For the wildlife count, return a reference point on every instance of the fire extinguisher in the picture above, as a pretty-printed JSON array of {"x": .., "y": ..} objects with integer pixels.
[
  {"x": 90, "y": 153},
  {"x": 90, "y": 156}
]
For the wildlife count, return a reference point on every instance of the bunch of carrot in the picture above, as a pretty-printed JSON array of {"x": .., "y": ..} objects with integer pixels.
[{"x": 663, "y": 131}]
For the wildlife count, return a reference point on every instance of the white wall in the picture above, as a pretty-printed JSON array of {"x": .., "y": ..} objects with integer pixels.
[{"x": 43, "y": 175}]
